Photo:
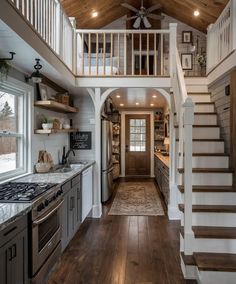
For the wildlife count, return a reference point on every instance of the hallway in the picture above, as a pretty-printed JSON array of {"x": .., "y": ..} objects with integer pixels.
[{"x": 122, "y": 250}]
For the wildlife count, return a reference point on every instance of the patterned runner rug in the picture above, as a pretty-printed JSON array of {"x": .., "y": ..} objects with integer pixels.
[{"x": 137, "y": 199}]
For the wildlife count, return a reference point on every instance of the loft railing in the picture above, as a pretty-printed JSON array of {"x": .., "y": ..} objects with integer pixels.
[
  {"x": 49, "y": 20},
  {"x": 221, "y": 36},
  {"x": 184, "y": 107},
  {"x": 121, "y": 52}
]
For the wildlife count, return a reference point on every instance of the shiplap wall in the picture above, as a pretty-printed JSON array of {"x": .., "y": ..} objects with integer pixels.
[
  {"x": 84, "y": 120},
  {"x": 222, "y": 105}
]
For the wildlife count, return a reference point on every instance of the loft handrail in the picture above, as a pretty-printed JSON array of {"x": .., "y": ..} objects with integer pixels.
[{"x": 120, "y": 31}]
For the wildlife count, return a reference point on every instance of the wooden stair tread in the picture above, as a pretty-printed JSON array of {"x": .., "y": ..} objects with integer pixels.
[
  {"x": 211, "y": 154},
  {"x": 205, "y": 113},
  {"x": 206, "y": 188},
  {"x": 202, "y": 126},
  {"x": 188, "y": 259},
  {"x": 212, "y": 232},
  {"x": 204, "y": 103},
  {"x": 200, "y": 93},
  {"x": 206, "y": 140},
  {"x": 215, "y": 261},
  {"x": 211, "y": 208},
  {"x": 208, "y": 170}
]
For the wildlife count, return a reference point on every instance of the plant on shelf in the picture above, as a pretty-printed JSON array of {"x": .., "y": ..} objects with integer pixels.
[
  {"x": 47, "y": 123},
  {"x": 201, "y": 59},
  {"x": 4, "y": 69}
]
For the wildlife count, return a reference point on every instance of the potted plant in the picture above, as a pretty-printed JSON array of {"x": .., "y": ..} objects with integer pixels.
[
  {"x": 4, "y": 69},
  {"x": 47, "y": 123}
]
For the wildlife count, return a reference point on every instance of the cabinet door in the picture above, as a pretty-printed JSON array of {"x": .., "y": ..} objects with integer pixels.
[
  {"x": 71, "y": 213},
  {"x": 14, "y": 260},
  {"x": 64, "y": 224},
  {"x": 78, "y": 205}
]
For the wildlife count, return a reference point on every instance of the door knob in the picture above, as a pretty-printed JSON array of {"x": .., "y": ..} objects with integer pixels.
[{"x": 126, "y": 148}]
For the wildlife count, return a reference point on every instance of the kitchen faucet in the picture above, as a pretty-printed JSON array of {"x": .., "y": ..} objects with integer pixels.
[{"x": 65, "y": 156}]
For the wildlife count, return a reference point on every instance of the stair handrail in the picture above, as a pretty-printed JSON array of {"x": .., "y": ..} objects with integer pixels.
[{"x": 185, "y": 118}]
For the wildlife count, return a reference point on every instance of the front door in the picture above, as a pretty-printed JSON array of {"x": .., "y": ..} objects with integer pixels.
[{"x": 137, "y": 140}]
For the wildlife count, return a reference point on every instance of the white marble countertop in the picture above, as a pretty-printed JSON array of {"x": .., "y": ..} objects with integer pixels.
[{"x": 9, "y": 212}]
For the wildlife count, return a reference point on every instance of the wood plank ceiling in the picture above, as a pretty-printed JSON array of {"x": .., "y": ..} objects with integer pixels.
[{"x": 110, "y": 10}]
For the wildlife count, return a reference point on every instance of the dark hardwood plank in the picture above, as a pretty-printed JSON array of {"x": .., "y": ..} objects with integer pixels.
[{"x": 122, "y": 250}]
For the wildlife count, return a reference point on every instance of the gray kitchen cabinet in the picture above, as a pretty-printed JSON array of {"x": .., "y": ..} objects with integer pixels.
[
  {"x": 71, "y": 210},
  {"x": 161, "y": 172},
  {"x": 14, "y": 253}
]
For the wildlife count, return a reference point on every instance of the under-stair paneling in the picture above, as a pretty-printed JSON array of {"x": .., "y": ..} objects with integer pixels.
[
  {"x": 84, "y": 120},
  {"x": 222, "y": 106},
  {"x": 233, "y": 123}
]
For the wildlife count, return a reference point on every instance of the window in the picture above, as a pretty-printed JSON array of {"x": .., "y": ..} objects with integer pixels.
[
  {"x": 14, "y": 129},
  {"x": 137, "y": 134}
]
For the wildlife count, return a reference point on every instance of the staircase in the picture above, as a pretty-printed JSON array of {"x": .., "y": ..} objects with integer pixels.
[{"x": 214, "y": 199}]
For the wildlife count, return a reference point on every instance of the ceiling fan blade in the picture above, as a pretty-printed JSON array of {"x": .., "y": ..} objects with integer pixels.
[
  {"x": 153, "y": 8},
  {"x": 131, "y": 18},
  {"x": 137, "y": 23},
  {"x": 155, "y": 17},
  {"x": 128, "y": 6},
  {"x": 146, "y": 23}
]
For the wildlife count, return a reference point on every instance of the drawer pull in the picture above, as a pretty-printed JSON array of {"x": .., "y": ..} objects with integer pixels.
[{"x": 11, "y": 230}]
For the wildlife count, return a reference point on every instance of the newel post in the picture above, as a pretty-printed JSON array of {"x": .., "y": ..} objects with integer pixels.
[
  {"x": 172, "y": 48},
  {"x": 188, "y": 117}
]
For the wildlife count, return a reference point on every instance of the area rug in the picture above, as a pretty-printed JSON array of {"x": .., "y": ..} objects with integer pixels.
[{"x": 137, "y": 199}]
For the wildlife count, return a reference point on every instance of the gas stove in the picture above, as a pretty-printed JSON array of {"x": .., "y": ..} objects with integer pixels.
[{"x": 23, "y": 192}]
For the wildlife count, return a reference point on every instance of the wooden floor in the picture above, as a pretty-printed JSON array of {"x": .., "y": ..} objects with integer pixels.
[{"x": 122, "y": 250}]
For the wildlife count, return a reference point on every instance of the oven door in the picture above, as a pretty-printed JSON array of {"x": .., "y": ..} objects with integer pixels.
[{"x": 46, "y": 234}]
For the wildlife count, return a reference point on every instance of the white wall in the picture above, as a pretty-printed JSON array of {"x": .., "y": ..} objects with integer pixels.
[
  {"x": 184, "y": 47},
  {"x": 222, "y": 105},
  {"x": 84, "y": 120}
]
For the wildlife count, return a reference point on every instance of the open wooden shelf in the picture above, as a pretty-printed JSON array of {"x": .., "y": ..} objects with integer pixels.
[
  {"x": 54, "y": 131},
  {"x": 55, "y": 106}
]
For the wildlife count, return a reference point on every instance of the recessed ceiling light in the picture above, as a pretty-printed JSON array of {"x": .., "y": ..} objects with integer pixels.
[
  {"x": 196, "y": 13},
  {"x": 137, "y": 104},
  {"x": 94, "y": 14},
  {"x": 118, "y": 96},
  {"x": 154, "y": 96},
  {"x": 121, "y": 105},
  {"x": 151, "y": 105}
]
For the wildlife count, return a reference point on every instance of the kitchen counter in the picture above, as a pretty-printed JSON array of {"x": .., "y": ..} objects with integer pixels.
[
  {"x": 53, "y": 177},
  {"x": 9, "y": 212},
  {"x": 164, "y": 159}
]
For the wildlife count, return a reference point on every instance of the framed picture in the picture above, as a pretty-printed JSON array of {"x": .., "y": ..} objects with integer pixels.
[
  {"x": 43, "y": 92},
  {"x": 187, "y": 37},
  {"x": 187, "y": 61}
]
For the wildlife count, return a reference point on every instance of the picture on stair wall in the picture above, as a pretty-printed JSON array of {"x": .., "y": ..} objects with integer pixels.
[
  {"x": 187, "y": 37},
  {"x": 187, "y": 61}
]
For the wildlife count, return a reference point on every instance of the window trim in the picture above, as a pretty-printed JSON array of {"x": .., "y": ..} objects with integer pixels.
[{"x": 27, "y": 92}]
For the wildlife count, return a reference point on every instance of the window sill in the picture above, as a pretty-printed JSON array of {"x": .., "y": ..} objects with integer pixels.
[{"x": 10, "y": 179}]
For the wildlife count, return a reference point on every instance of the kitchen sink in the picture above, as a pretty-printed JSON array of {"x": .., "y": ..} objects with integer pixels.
[{"x": 62, "y": 169}]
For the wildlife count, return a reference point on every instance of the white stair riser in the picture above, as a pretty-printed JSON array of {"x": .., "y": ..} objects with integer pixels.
[
  {"x": 210, "y": 162},
  {"x": 212, "y": 219},
  {"x": 204, "y": 108},
  {"x": 216, "y": 277},
  {"x": 207, "y": 146},
  {"x": 208, "y": 179},
  {"x": 205, "y": 119},
  {"x": 211, "y": 245},
  {"x": 212, "y": 198},
  {"x": 204, "y": 133},
  {"x": 200, "y": 98}
]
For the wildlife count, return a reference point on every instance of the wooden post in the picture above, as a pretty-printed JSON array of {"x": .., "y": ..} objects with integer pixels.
[
  {"x": 125, "y": 54},
  {"x": 188, "y": 150},
  {"x": 233, "y": 124},
  {"x": 172, "y": 48}
]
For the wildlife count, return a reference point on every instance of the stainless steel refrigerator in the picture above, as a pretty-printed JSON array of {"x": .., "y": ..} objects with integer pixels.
[{"x": 107, "y": 166}]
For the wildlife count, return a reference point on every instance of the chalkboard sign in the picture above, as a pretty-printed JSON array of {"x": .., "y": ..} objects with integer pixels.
[{"x": 81, "y": 140}]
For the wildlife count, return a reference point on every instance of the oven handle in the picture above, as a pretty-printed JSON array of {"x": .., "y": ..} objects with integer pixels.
[{"x": 37, "y": 222}]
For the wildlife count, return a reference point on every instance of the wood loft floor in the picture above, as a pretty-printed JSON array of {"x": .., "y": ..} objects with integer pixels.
[{"x": 122, "y": 250}]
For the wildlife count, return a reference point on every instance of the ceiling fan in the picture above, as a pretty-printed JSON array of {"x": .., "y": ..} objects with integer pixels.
[{"x": 143, "y": 14}]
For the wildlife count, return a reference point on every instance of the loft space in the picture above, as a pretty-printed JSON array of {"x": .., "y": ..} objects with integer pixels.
[{"x": 110, "y": 10}]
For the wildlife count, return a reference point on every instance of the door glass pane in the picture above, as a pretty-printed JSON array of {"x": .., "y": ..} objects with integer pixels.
[{"x": 137, "y": 134}]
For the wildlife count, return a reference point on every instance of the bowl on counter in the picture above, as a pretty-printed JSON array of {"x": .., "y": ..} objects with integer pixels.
[
  {"x": 43, "y": 167},
  {"x": 66, "y": 126}
]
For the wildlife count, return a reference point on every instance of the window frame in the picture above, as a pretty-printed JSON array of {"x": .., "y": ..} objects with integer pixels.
[{"x": 19, "y": 88}]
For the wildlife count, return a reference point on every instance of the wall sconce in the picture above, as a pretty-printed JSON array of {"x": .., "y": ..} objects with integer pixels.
[{"x": 36, "y": 76}]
